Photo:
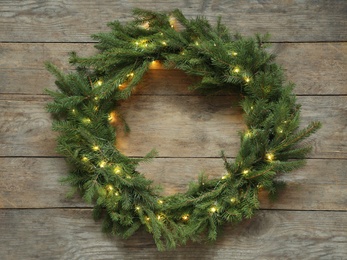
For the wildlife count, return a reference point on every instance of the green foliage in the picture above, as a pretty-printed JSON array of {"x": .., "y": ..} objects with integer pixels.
[{"x": 124, "y": 198}]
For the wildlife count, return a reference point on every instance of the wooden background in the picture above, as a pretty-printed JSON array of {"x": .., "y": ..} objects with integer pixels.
[{"x": 309, "y": 221}]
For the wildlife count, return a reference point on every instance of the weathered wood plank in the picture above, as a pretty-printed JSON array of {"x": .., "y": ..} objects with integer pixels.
[
  {"x": 75, "y": 21},
  {"x": 315, "y": 68},
  {"x": 25, "y": 125},
  {"x": 34, "y": 183},
  {"x": 177, "y": 126},
  {"x": 72, "y": 234},
  {"x": 26, "y": 182}
]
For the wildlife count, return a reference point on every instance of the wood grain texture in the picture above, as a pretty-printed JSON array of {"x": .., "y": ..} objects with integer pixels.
[
  {"x": 309, "y": 219},
  {"x": 58, "y": 20},
  {"x": 72, "y": 234},
  {"x": 314, "y": 68},
  {"x": 34, "y": 182},
  {"x": 177, "y": 126}
]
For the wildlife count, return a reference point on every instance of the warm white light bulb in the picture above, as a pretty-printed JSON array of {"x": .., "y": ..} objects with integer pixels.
[
  {"x": 270, "y": 156},
  {"x": 99, "y": 82},
  {"x": 248, "y": 133},
  {"x": 86, "y": 120},
  {"x": 185, "y": 217},
  {"x": 236, "y": 70},
  {"x": 102, "y": 164},
  {"x": 109, "y": 187},
  {"x": 213, "y": 209},
  {"x": 117, "y": 169}
]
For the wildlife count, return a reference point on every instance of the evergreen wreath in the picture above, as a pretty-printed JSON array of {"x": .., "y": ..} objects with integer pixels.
[{"x": 126, "y": 200}]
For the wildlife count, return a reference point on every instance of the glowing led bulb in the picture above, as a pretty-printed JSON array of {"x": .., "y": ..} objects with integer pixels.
[
  {"x": 164, "y": 43},
  {"x": 247, "y": 79},
  {"x": 160, "y": 201},
  {"x": 270, "y": 156},
  {"x": 96, "y": 148},
  {"x": 234, "y": 53},
  {"x": 172, "y": 21},
  {"x": 109, "y": 187},
  {"x": 233, "y": 200},
  {"x": 73, "y": 111},
  {"x": 84, "y": 159},
  {"x": 245, "y": 172},
  {"x": 213, "y": 209},
  {"x": 248, "y": 134},
  {"x": 117, "y": 169},
  {"x": 185, "y": 217},
  {"x": 122, "y": 86},
  {"x": 137, "y": 208},
  {"x": 147, "y": 218},
  {"x": 86, "y": 120},
  {"x": 236, "y": 70},
  {"x": 109, "y": 117},
  {"x": 102, "y": 164},
  {"x": 99, "y": 82},
  {"x": 155, "y": 64}
]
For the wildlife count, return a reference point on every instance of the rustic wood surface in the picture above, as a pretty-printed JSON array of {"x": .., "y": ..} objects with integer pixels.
[
  {"x": 72, "y": 234},
  {"x": 309, "y": 219},
  {"x": 75, "y": 20},
  {"x": 315, "y": 68}
]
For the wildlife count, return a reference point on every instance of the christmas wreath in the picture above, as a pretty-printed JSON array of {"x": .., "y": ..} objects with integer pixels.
[{"x": 84, "y": 108}]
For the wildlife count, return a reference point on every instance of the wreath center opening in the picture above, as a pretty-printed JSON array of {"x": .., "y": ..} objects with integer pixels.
[{"x": 178, "y": 123}]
